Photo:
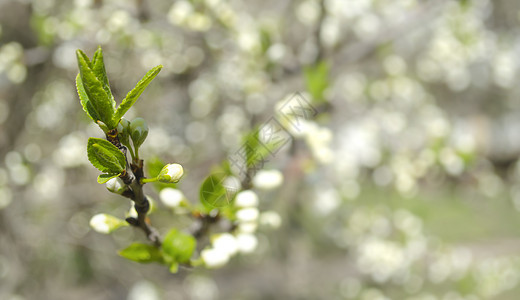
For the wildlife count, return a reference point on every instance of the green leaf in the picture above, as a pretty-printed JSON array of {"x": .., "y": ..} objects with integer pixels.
[
  {"x": 265, "y": 39},
  {"x": 85, "y": 102},
  {"x": 257, "y": 151},
  {"x": 83, "y": 57},
  {"x": 103, "y": 178},
  {"x": 142, "y": 253},
  {"x": 105, "y": 156},
  {"x": 317, "y": 80},
  {"x": 179, "y": 246},
  {"x": 98, "y": 66},
  {"x": 132, "y": 96},
  {"x": 101, "y": 101},
  {"x": 103, "y": 126}
]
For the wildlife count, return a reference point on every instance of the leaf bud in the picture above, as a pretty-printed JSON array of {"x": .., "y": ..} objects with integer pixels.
[{"x": 138, "y": 131}]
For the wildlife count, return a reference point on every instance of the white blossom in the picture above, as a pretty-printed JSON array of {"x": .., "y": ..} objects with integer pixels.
[
  {"x": 214, "y": 258},
  {"x": 247, "y": 227},
  {"x": 171, "y": 197},
  {"x": 268, "y": 179},
  {"x": 246, "y": 198},
  {"x": 226, "y": 242},
  {"x": 247, "y": 214},
  {"x": 247, "y": 242}
]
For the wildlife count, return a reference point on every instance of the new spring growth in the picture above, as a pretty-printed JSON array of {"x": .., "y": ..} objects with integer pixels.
[
  {"x": 123, "y": 128},
  {"x": 116, "y": 185},
  {"x": 138, "y": 131},
  {"x": 170, "y": 173},
  {"x": 104, "y": 223}
]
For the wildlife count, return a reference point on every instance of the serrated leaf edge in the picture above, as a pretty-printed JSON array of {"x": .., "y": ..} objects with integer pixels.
[{"x": 134, "y": 94}]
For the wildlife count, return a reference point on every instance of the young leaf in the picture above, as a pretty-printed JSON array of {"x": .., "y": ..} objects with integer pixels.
[
  {"x": 317, "y": 80},
  {"x": 179, "y": 246},
  {"x": 103, "y": 178},
  {"x": 103, "y": 126},
  {"x": 142, "y": 253},
  {"x": 85, "y": 102},
  {"x": 97, "y": 95},
  {"x": 98, "y": 66},
  {"x": 132, "y": 96},
  {"x": 84, "y": 57},
  {"x": 138, "y": 131},
  {"x": 105, "y": 156}
]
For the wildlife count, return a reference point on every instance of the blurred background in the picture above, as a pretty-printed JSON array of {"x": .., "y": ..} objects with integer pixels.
[{"x": 405, "y": 185}]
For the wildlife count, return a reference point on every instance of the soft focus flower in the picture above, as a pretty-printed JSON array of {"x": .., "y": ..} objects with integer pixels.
[
  {"x": 247, "y": 227},
  {"x": 171, "y": 197},
  {"x": 171, "y": 173},
  {"x": 246, "y": 198},
  {"x": 268, "y": 179},
  {"x": 247, "y": 242},
  {"x": 226, "y": 242},
  {"x": 214, "y": 258},
  {"x": 247, "y": 214},
  {"x": 104, "y": 223}
]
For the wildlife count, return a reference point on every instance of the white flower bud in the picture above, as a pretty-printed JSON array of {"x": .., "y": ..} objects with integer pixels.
[
  {"x": 246, "y": 198},
  {"x": 225, "y": 242},
  {"x": 104, "y": 223},
  {"x": 247, "y": 214},
  {"x": 171, "y": 197},
  {"x": 171, "y": 173},
  {"x": 247, "y": 227},
  {"x": 214, "y": 258},
  {"x": 268, "y": 179},
  {"x": 116, "y": 185},
  {"x": 247, "y": 242}
]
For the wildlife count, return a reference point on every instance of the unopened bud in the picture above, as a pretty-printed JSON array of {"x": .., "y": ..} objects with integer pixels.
[
  {"x": 171, "y": 173},
  {"x": 246, "y": 198},
  {"x": 171, "y": 197},
  {"x": 247, "y": 214},
  {"x": 104, "y": 223},
  {"x": 116, "y": 185},
  {"x": 123, "y": 125},
  {"x": 138, "y": 131},
  {"x": 214, "y": 258},
  {"x": 123, "y": 130}
]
